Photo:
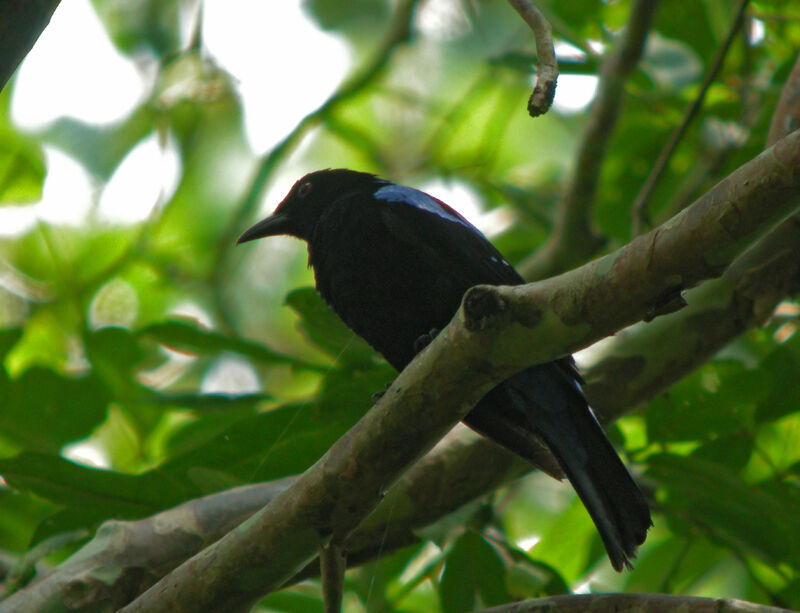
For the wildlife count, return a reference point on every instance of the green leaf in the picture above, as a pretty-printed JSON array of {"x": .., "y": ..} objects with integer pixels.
[
  {"x": 45, "y": 410},
  {"x": 190, "y": 338},
  {"x": 108, "y": 493},
  {"x": 473, "y": 573},
  {"x": 287, "y": 439},
  {"x": 20, "y": 513},
  {"x": 530, "y": 578},
  {"x": 736, "y": 513},
  {"x": 323, "y": 328},
  {"x": 333, "y": 15},
  {"x": 717, "y": 399},
  {"x": 8, "y": 338},
  {"x": 114, "y": 354},
  {"x": 733, "y": 450},
  {"x": 69, "y": 520},
  {"x": 288, "y": 601},
  {"x": 778, "y": 378},
  {"x": 22, "y": 168},
  {"x": 210, "y": 402}
]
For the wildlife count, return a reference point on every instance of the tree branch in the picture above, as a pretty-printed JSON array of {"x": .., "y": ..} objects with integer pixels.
[
  {"x": 633, "y": 603},
  {"x": 786, "y": 118},
  {"x": 547, "y": 71},
  {"x": 572, "y": 240},
  {"x": 332, "y": 562},
  {"x": 490, "y": 337}
]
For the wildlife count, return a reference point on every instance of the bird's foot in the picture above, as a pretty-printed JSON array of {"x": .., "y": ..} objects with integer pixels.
[
  {"x": 425, "y": 340},
  {"x": 378, "y": 395}
]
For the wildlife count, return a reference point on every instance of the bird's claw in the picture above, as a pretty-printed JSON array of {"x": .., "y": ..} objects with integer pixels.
[
  {"x": 425, "y": 340},
  {"x": 378, "y": 395}
]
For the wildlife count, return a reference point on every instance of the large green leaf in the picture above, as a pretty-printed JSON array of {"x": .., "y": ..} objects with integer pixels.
[
  {"x": 189, "y": 337},
  {"x": 730, "y": 510},
  {"x": 106, "y": 493},
  {"x": 473, "y": 573},
  {"x": 19, "y": 515},
  {"x": 718, "y": 399},
  {"x": 323, "y": 328},
  {"x": 44, "y": 410},
  {"x": 778, "y": 374},
  {"x": 22, "y": 168}
]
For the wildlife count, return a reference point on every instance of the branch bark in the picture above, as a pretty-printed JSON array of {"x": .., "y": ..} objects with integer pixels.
[
  {"x": 633, "y": 603},
  {"x": 490, "y": 337},
  {"x": 547, "y": 71}
]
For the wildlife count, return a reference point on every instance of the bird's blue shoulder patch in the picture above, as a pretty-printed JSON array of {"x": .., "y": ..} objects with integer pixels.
[{"x": 392, "y": 192}]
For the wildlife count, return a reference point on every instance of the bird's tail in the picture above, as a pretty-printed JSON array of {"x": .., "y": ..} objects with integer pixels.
[{"x": 555, "y": 409}]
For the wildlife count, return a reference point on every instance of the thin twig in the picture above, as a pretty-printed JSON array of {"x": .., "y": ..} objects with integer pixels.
[
  {"x": 547, "y": 72},
  {"x": 787, "y": 114},
  {"x": 333, "y": 563},
  {"x": 573, "y": 240},
  {"x": 639, "y": 209}
]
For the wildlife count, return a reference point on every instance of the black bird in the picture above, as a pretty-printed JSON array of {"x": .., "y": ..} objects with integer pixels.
[{"x": 394, "y": 263}]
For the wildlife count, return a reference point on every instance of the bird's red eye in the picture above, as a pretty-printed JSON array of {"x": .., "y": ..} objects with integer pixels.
[{"x": 304, "y": 189}]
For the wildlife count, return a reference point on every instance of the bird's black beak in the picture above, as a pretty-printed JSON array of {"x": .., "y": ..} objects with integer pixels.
[{"x": 270, "y": 226}]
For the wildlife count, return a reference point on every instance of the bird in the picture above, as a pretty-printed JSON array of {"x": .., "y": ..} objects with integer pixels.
[{"x": 394, "y": 262}]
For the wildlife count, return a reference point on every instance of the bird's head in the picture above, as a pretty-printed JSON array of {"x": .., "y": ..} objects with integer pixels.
[{"x": 300, "y": 210}]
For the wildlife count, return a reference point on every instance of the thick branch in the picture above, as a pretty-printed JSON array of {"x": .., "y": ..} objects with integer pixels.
[
  {"x": 489, "y": 338},
  {"x": 547, "y": 71},
  {"x": 650, "y": 357},
  {"x": 633, "y": 603},
  {"x": 573, "y": 240},
  {"x": 332, "y": 562}
]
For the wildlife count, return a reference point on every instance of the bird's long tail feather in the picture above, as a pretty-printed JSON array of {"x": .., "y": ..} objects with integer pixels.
[{"x": 543, "y": 401}]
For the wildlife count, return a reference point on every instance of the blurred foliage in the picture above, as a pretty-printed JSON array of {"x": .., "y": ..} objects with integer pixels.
[{"x": 172, "y": 356}]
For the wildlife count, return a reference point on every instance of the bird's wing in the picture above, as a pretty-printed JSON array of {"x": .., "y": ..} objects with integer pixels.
[{"x": 452, "y": 245}]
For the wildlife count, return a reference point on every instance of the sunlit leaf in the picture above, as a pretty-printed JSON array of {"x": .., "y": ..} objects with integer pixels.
[{"x": 22, "y": 168}]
